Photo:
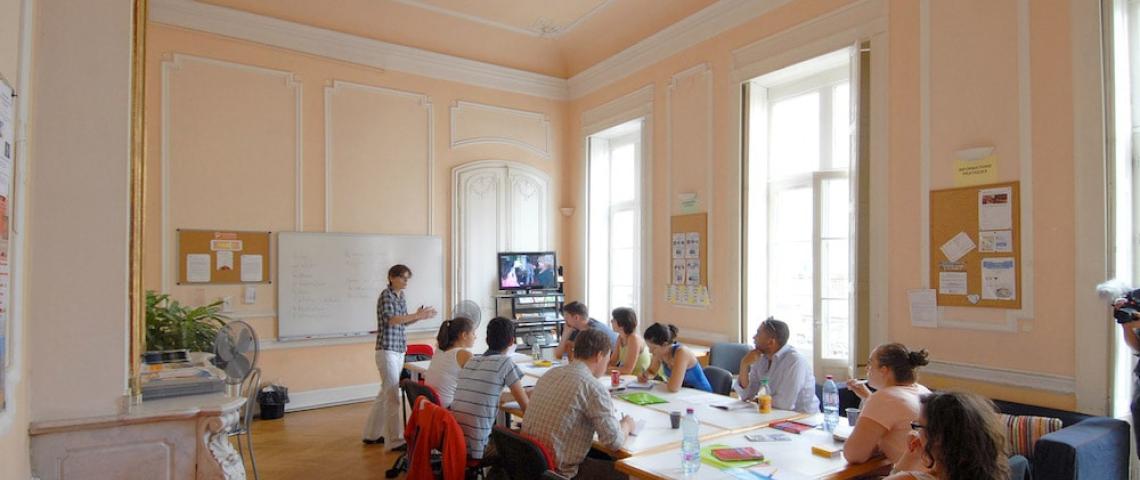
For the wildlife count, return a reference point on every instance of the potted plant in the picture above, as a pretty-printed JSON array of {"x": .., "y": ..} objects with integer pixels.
[{"x": 171, "y": 325}]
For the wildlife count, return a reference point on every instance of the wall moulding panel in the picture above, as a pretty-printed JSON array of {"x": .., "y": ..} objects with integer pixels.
[
  {"x": 371, "y": 132},
  {"x": 259, "y": 143},
  {"x": 689, "y": 147},
  {"x": 475, "y": 123}
]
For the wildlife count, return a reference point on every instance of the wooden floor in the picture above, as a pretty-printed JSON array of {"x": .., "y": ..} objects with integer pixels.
[{"x": 321, "y": 443}]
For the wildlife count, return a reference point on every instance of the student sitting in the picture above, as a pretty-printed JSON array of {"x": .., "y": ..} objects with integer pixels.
[
  {"x": 570, "y": 406},
  {"x": 884, "y": 423},
  {"x": 482, "y": 380},
  {"x": 577, "y": 317},
  {"x": 790, "y": 380},
  {"x": 671, "y": 356},
  {"x": 958, "y": 436},
  {"x": 454, "y": 339},
  {"x": 631, "y": 357}
]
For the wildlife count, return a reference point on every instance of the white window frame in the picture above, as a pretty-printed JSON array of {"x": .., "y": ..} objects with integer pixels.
[
  {"x": 767, "y": 91},
  {"x": 604, "y": 143}
]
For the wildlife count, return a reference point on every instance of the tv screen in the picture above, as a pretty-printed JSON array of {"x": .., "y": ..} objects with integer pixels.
[{"x": 528, "y": 271}]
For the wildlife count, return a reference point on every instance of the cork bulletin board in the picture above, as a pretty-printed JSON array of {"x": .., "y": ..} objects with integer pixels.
[
  {"x": 975, "y": 246},
  {"x": 214, "y": 257},
  {"x": 689, "y": 267}
]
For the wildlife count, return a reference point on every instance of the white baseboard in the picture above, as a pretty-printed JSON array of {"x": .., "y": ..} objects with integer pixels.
[{"x": 327, "y": 397}]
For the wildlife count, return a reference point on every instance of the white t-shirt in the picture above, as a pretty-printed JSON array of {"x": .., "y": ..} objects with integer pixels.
[{"x": 443, "y": 373}]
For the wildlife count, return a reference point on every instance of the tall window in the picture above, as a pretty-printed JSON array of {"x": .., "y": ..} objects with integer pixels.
[
  {"x": 799, "y": 206},
  {"x": 614, "y": 248}
]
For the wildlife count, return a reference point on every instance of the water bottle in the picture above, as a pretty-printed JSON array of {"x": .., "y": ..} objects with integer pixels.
[
  {"x": 830, "y": 405},
  {"x": 690, "y": 443}
]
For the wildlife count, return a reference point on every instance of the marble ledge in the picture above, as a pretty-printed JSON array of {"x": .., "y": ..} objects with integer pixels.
[{"x": 150, "y": 411}]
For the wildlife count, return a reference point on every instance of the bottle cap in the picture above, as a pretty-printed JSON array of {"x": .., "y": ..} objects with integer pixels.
[
  {"x": 689, "y": 410},
  {"x": 829, "y": 377}
]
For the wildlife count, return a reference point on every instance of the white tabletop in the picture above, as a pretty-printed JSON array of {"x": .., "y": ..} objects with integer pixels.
[
  {"x": 658, "y": 432},
  {"x": 735, "y": 419},
  {"x": 789, "y": 459}
]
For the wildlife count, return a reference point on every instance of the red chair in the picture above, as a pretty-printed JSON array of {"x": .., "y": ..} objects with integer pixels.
[{"x": 523, "y": 456}]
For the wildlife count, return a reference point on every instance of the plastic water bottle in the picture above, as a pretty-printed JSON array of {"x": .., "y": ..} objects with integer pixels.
[
  {"x": 690, "y": 443},
  {"x": 830, "y": 404}
]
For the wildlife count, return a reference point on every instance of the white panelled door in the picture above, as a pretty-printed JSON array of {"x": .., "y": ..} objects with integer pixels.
[{"x": 499, "y": 206}]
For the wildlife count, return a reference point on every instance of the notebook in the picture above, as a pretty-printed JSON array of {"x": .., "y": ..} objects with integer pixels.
[{"x": 791, "y": 427}]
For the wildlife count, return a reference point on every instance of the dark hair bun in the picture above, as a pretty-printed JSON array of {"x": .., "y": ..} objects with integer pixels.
[
  {"x": 918, "y": 359},
  {"x": 673, "y": 332}
]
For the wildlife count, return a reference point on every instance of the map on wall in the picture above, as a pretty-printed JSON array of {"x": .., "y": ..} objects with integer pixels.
[{"x": 7, "y": 145}]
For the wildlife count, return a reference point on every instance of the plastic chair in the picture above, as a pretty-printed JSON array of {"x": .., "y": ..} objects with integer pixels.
[
  {"x": 249, "y": 390},
  {"x": 528, "y": 457},
  {"x": 728, "y": 356},
  {"x": 719, "y": 379}
]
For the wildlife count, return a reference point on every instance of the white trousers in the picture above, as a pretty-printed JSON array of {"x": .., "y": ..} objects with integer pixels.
[{"x": 385, "y": 420}]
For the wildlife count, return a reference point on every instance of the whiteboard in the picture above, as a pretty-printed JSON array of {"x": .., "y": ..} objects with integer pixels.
[{"x": 328, "y": 283}]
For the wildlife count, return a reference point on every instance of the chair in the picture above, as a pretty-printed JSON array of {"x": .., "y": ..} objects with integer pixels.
[
  {"x": 720, "y": 380},
  {"x": 249, "y": 389},
  {"x": 529, "y": 458},
  {"x": 412, "y": 390},
  {"x": 728, "y": 356}
]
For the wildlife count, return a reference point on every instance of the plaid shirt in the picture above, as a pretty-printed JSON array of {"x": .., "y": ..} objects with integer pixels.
[
  {"x": 388, "y": 336},
  {"x": 566, "y": 407}
]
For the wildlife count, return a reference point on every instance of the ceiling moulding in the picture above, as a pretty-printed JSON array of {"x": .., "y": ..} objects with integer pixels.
[
  {"x": 539, "y": 29},
  {"x": 694, "y": 29},
  {"x": 351, "y": 48}
]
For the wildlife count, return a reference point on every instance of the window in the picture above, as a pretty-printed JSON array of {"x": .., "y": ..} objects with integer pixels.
[
  {"x": 614, "y": 245},
  {"x": 798, "y": 203}
]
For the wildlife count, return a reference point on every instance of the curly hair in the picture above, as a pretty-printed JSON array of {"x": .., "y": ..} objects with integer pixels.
[{"x": 965, "y": 436}]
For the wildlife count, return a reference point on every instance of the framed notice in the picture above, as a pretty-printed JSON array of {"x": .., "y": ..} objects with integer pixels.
[
  {"x": 975, "y": 246},
  {"x": 211, "y": 257}
]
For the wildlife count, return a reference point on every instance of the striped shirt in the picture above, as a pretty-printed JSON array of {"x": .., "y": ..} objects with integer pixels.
[
  {"x": 390, "y": 337},
  {"x": 477, "y": 391},
  {"x": 566, "y": 407}
]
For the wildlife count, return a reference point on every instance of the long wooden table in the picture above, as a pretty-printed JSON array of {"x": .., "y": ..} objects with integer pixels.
[{"x": 787, "y": 460}]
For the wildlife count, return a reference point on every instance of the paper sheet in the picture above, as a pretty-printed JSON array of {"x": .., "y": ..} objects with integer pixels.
[
  {"x": 678, "y": 245},
  {"x": 251, "y": 268},
  {"x": 198, "y": 267},
  {"x": 923, "y": 307},
  {"x": 995, "y": 209},
  {"x": 998, "y": 241},
  {"x": 692, "y": 245},
  {"x": 225, "y": 260},
  {"x": 692, "y": 271},
  {"x": 678, "y": 271},
  {"x": 999, "y": 279},
  {"x": 952, "y": 283},
  {"x": 957, "y": 247}
]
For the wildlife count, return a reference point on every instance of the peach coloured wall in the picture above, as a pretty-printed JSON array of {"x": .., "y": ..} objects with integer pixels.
[
  {"x": 378, "y": 181},
  {"x": 974, "y": 99},
  {"x": 14, "y": 460}
]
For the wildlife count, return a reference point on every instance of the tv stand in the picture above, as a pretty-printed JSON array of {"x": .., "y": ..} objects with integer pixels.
[{"x": 537, "y": 315}]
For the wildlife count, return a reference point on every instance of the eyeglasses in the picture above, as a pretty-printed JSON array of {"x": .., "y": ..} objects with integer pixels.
[{"x": 916, "y": 426}]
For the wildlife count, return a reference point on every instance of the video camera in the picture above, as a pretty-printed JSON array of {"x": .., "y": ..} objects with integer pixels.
[{"x": 1125, "y": 300}]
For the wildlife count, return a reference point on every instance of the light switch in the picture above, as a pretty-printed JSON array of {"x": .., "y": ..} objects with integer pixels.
[
  {"x": 249, "y": 295},
  {"x": 227, "y": 304}
]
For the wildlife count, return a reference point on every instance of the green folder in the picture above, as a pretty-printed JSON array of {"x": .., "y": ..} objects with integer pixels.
[
  {"x": 709, "y": 458},
  {"x": 642, "y": 398}
]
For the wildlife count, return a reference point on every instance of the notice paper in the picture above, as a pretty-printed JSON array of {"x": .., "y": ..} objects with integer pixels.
[
  {"x": 251, "y": 268},
  {"x": 998, "y": 241},
  {"x": 923, "y": 307},
  {"x": 952, "y": 283},
  {"x": 995, "y": 208},
  {"x": 678, "y": 245},
  {"x": 999, "y": 279},
  {"x": 693, "y": 271},
  {"x": 957, "y": 247},
  {"x": 692, "y": 245},
  {"x": 678, "y": 271},
  {"x": 225, "y": 260},
  {"x": 198, "y": 267}
]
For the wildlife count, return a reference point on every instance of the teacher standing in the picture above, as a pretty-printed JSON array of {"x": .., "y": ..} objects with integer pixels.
[{"x": 392, "y": 317}]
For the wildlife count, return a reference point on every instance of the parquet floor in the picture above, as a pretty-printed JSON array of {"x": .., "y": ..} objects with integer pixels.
[{"x": 318, "y": 444}]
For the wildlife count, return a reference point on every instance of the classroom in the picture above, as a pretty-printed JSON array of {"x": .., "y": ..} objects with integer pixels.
[{"x": 952, "y": 176}]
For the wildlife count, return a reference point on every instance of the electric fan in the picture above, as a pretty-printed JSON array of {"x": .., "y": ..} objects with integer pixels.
[{"x": 235, "y": 349}]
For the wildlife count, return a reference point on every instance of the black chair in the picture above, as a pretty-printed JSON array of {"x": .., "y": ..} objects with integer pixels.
[
  {"x": 412, "y": 390},
  {"x": 720, "y": 380},
  {"x": 728, "y": 356},
  {"x": 529, "y": 458}
]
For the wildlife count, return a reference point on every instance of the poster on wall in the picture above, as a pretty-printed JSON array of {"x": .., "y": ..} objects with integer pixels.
[{"x": 7, "y": 156}]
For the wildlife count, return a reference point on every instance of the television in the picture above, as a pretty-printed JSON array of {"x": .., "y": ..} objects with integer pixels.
[{"x": 528, "y": 271}]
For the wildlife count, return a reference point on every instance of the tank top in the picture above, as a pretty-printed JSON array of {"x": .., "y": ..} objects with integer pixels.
[
  {"x": 694, "y": 376},
  {"x": 643, "y": 358},
  {"x": 443, "y": 373}
]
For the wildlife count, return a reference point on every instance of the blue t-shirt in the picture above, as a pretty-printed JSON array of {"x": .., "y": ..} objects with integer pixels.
[{"x": 596, "y": 325}]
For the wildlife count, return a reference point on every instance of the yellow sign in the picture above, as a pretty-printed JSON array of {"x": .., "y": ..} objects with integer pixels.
[{"x": 975, "y": 172}]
